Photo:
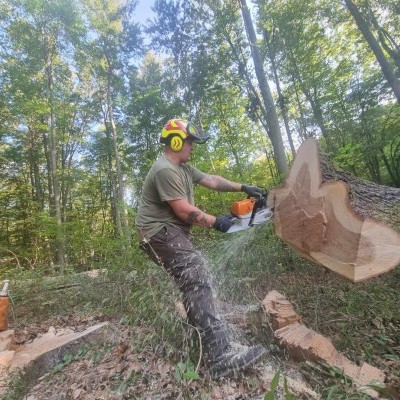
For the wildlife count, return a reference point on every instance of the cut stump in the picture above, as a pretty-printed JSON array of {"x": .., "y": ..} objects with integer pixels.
[
  {"x": 336, "y": 223},
  {"x": 304, "y": 344}
]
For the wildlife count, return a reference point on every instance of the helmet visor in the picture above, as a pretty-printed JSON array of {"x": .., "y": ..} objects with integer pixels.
[{"x": 195, "y": 134}]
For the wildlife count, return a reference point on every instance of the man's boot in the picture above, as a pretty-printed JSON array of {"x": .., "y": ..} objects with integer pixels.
[{"x": 235, "y": 358}]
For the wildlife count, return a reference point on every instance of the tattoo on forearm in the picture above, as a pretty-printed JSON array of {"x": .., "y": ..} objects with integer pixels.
[
  {"x": 193, "y": 216},
  {"x": 197, "y": 217},
  {"x": 203, "y": 220},
  {"x": 221, "y": 184}
]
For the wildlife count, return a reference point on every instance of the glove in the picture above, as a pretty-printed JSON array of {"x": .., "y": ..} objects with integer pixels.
[
  {"x": 223, "y": 223},
  {"x": 252, "y": 191}
]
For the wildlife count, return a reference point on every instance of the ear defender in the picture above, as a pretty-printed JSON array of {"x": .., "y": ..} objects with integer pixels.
[{"x": 176, "y": 143}]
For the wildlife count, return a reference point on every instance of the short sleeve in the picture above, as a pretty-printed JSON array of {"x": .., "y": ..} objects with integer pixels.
[
  {"x": 169, "y": 185},
  {"x": 197, "y": 175}
]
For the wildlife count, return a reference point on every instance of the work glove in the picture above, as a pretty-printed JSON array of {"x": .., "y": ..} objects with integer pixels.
[
  {"x": 252, "y": 191},
  {"x": 223, "y": 223}
]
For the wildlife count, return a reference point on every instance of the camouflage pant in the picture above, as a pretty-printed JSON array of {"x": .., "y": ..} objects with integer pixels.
[{"x": 173, "y": 249}]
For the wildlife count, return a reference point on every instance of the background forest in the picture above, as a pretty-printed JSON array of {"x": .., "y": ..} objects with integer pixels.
[{"x": 85, "y": 92}]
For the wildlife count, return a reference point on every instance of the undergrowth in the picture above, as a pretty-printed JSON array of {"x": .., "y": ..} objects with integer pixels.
[{"x": 362, "y": 320}]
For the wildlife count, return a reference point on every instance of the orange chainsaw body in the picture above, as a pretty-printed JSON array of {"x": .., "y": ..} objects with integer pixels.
[{"x": 242, "y": 207}]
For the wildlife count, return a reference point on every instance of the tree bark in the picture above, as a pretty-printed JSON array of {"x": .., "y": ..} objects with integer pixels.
[
  {"x": 273, "y": 122},
  {"x": 367, "y": 199},
  {"x": 281, "y": 97},
  {"x": 331, "y": 218},
  {"x": 53, "y": 142},
  {"x": 120, "y": 206}
]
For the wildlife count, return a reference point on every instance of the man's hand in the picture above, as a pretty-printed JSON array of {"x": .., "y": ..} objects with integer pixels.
[
  {"x": 223, "y": 223},
  {"x": 252, "y": 191}
]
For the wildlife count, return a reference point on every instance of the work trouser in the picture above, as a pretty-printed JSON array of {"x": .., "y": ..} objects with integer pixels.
[{"x": 173, "y": 249}]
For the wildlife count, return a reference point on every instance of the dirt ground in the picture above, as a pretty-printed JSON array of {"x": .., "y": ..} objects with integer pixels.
[{"x": 126, "y": 367}]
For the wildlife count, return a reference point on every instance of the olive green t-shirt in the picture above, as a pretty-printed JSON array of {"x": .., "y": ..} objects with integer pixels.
[{"x": 164, "y": 182}]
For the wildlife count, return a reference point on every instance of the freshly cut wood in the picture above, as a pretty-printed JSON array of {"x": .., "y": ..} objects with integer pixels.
[{"x": 335, "y": 220}]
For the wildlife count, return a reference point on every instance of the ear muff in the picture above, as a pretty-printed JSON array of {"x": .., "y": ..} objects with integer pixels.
[{"x": 176, "y": 143}]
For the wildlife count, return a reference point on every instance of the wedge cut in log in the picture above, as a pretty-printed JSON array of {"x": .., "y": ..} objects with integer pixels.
[{"x": 335, "y": 220}]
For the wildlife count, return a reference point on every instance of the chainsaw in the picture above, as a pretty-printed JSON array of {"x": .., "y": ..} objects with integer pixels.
[{"x": 249, "y": 212}]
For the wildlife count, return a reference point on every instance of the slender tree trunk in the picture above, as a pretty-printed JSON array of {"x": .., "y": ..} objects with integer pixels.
[
  {"x": 114, "y": 170},
  {"x": 272, "y": 121},
  {"x": 60, "y": 237},
  {"x": 37, "y": 190},
  {"x": 317, "y": 111},
  {"x": 234, "y": 153},
  {"x": 115, "y": 210},
  {"x": 375, "y": 47},
  {"x": 270, "y": 164},
  {"x": 313, "y": 101},
  {"x": 281, "y": 97},
  {"x": 251, "y": 90},
  {"x": 119, "y": 176},
  {"x": 385, "y": 39},
  {"x": 228, "y": 130},
  {"x": 302, "y": 123}
]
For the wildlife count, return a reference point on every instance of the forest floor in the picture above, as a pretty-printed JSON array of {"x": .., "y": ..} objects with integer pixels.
[
  {"x": 122, "y": 368},
  {"x": 153, "y": 354}
]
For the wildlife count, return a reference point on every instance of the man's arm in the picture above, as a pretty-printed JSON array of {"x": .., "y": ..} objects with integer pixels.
[
  {"x": 220, "y": 184},
  {"x": 191, "y": 214}
]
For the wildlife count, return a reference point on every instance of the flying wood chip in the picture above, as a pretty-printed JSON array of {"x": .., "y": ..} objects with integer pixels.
[{"x": 317, "y": 220}]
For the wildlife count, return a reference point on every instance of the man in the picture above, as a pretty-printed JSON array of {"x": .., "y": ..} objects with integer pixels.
[{"x": 165, "y": 215}]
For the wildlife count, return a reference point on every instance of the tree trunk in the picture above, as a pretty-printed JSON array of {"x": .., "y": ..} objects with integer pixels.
[
  {"x": 384, "y": 38},
  {"x": 121, "y": 209},
  {"x": 281, "y": 97},
  {"x": 273, "y": 122},
  {"x": 349, "y": 226},
  {"x": 114, "y": 169},
  {"x": 34, "y": 172},
  {"x": 375, "y": 47},
  {"x": 60, "y": 237},
  {"x": 302, "y": 119},
  {"x": 119, "y": 178},
  {"x": 312, "y": 100}
]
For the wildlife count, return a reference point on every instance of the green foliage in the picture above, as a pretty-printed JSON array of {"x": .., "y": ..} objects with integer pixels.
[
  {"x": 101, "y": 77},
  {"x": 275, "y": 385},
  {"x": 362, "y": 320},
  {"x": 336, "y": 384},
  {"x": 17, "y": 387},
  {"x": 70, "y": 358},
  {"x": 185, "y": 372},
  {"x": 349, "y": 157}
]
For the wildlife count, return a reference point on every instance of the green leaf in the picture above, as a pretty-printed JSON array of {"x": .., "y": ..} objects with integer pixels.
[
  {"x": 191, "y": 375},
  {"x": 270, "y": 395},
  {"x": 178, "y": 375},
  {"x": 288, "y": 395},
  {"x": 331, "y": 392}
]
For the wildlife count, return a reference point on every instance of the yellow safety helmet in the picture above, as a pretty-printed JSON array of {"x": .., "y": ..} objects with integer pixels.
[{"x": 177, "y": 130}]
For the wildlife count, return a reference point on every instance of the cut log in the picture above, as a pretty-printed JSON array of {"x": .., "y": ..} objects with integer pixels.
[{"x": 335, "y": 220}]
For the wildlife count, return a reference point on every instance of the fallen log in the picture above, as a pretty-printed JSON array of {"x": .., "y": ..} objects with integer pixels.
[{"x": 331, "y": 218}]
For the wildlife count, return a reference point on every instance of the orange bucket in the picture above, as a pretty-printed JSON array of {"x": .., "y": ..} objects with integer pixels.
[{"x": 4, "y": 306}]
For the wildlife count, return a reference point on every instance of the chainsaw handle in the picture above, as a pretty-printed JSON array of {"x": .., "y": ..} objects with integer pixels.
[{"x": 259, "y": 203}]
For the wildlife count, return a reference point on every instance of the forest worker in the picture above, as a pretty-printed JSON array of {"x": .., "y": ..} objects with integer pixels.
[{"x": 165, "y": 215}]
